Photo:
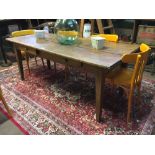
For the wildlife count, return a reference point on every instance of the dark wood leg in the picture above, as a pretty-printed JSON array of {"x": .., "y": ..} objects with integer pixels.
[
  {"x": 55, "y": 69},
  {"x": 27, "y": 61},
  {"x": 86, "y": 75},
  {"x": 36, "y": 60},
  {"x": 66, "y": 72},
  {"x": 100, "y": 79},
  {"x": 43, "y": 62},
  {"x": 48, "y": 64},
  {"x": 20, "y": 63}
]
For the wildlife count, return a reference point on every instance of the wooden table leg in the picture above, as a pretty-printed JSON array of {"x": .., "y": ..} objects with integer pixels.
[
  {"x": 20, "y": 63},
  {"x": 100, "y": 79},
  {"x": 48, "y": 64},
  {"x": 66, "y": 72},
  {"x": 55, "y": 69}
]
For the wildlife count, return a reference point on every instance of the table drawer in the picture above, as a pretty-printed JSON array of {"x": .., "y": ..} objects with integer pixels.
[
  {"x": 59, "y": 59},
  {"x": 29, "y": 50},
  {"x": 20, "y": 47},
  {"x": 32, "y": 51}
]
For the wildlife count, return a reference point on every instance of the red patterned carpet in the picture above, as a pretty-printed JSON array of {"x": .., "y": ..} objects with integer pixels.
[{"x": 45, "y": 104}]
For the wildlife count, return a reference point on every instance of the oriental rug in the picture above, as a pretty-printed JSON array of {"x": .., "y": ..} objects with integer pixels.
[{"x": 45, "y": 103}]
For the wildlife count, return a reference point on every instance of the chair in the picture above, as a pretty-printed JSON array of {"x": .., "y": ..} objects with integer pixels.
[
  {"x": 108, "y": 37},
  {"x": 130, "y": 79},
  {"x": 23, "y": 51},
  {"x": 4, "y": 103}
]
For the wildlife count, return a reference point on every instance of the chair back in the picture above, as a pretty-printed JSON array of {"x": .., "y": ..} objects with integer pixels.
[
  {"x": 134, "y": 58},
  {"x": 139, "y": 59},
  {"x": 22, "y": 33},
  {"x": 144, "y": 52},
  {"x": 109, "y": 37}
]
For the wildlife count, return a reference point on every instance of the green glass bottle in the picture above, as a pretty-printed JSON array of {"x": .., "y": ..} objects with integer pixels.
[{"x": 67, "y": 31}]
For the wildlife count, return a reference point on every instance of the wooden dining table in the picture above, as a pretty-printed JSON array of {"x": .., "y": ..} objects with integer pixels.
[{"x": 79, "y": 55}]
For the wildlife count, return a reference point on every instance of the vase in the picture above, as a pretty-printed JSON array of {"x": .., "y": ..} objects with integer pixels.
[{"x": 67, "y": 31}]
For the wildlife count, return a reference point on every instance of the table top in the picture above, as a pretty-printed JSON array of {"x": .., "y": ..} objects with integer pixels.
[{"x": 107, "y": 57}]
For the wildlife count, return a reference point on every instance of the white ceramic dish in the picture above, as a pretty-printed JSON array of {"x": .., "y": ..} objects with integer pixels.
[
  {"x": 97, "y": 42},
  {"x": 40, "y": 34}
]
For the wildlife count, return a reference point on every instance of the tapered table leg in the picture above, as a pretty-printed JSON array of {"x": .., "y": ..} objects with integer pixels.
[
  {"x": 66, "y": 72},
  {"x": 55, "y": 70},
  {"x": 19, "y": 61},
  {"x": 48, "y": 64},
  {"x": 100, "y": 80}
]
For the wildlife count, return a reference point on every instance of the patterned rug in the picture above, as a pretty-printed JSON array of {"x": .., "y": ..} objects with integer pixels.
[{"x": 44, "y": 103}]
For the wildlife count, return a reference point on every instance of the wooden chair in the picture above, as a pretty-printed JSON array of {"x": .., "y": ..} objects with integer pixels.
[
  {"x": 130, "y": 79},
  {"x": 109, "y": 37},
  {"x": 4, "y": 103},
  {"x": 23, "y": 51}
]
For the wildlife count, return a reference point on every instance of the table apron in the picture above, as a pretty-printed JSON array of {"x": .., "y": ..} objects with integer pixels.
[{"x": 60, "y": 59}]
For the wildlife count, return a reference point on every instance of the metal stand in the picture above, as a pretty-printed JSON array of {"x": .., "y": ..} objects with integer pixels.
[
  {"x": 5, "y": 62},
  {"x": 153, "y": 65}
]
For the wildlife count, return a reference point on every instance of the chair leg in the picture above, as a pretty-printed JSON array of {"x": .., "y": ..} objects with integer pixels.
[
  {"x": 129, "y": 106},
  {"x": 27, "y": 61},
  {"x": 139, "y": 95},
  {"x": 43, "y": 62},
  {"x": 5, "y": 104}
]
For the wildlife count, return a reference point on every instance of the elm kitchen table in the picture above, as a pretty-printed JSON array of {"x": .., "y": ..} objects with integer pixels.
[{"x": 81, "y": 55}]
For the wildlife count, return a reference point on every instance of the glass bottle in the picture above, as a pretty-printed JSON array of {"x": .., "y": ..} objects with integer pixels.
[{"x": 67, "y": 31}]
